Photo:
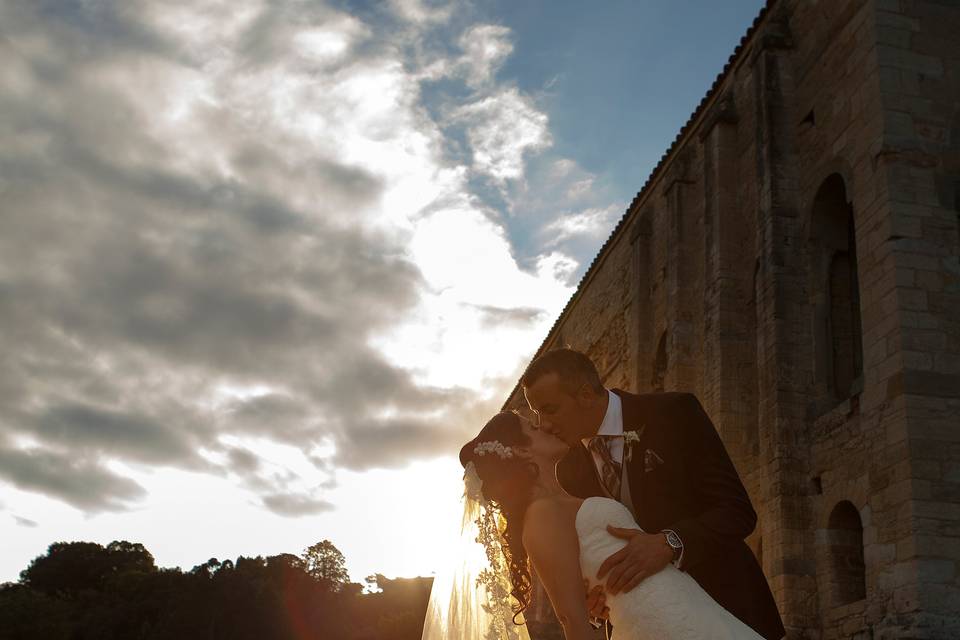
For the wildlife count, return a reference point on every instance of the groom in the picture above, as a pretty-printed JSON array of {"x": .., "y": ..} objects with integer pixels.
[{"x": 674, "y": 475}]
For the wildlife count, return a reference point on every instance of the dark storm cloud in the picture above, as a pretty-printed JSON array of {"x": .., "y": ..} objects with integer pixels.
[
  {"x": 376, "y": 443},
  {"x": 139, "y": 278},
  {"x": 340, "y": 186},
  {"x": 286, "y": 417},
  {"x": 82, "y": 428},
  {"x": 89, "y": 31},
  {"x": 82, "y": 483}
]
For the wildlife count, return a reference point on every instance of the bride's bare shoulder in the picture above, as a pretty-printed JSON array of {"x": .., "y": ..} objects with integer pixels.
[{"x": 544, "y": 515}]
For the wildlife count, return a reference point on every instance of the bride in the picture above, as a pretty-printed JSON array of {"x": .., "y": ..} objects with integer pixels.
[{"x": 516, "y": 509}]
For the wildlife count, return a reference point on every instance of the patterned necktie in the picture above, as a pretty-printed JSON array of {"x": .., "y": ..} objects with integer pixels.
[{"x": 610, "y": 470}]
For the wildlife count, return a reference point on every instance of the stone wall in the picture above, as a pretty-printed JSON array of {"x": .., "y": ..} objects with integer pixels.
[
  {"x": 793, "y": 261},
  {"x": 919, "y": 57}
]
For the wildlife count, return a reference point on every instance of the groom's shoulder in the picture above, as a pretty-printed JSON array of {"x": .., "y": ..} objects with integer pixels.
[{"x": 661, "y": 399}]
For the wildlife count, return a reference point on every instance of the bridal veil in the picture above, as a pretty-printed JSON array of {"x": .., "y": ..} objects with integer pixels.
[{"x": 470, "y": 598}]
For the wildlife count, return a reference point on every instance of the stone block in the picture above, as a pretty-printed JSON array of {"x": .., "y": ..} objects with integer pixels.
[
  {"x": 941, "y": 597},
  {"x": 888, "y": 6},
  {"x": 917, "y": 260},
  {"x": 852, "y": 628},
  {"x": 948, "y": 363},
  {"x": 929, "y": 66},
  {"x": 936, "y": 570},
  {"x": 923, "y": 340},
  {"x": 897, "y": 20},
  {"x": 906, "y": 226},
  {"x": 906, "y": 599},
  {"x": 898, "y": 124},
  {"x": 931, "y": 383},
  {"x": 926, "y": 469},
  {"x": 919, "y": 319},
  {"x": 930, "y": 280},
  {"x": 879, "y": 555},
  {"x": 894, "y": 36},
  {"x": 906, "y": 550},
  {"x": 919, "y": 360},
  {"x": 905, "y": 277},
  {"x": 912, "y": 299},
  {"x": 930, "y": 509}
]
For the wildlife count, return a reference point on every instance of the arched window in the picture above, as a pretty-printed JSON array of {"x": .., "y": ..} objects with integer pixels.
[
  {"x": 839, "y": 335},
  {"x": 660, "y": 364},
  {"x": 845, "y": 555}
]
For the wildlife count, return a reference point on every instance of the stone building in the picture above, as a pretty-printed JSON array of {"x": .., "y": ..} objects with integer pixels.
[{"x": 793, "y": 260}]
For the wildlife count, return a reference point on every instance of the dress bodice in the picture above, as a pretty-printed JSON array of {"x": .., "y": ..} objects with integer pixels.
[{"x": 668, "y": 605}]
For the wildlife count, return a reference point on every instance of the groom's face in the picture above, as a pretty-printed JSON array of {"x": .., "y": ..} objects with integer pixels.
[{"x": 567, "y": 413}]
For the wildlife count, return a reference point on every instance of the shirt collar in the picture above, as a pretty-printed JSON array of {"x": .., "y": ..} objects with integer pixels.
[{"x": 612, "y": 424}]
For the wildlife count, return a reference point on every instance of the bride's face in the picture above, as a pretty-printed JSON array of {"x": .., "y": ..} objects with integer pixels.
[{"x": 542, "y": 444}]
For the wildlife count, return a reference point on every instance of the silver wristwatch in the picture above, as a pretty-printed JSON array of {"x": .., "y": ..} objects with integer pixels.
[{"x": 675, "y": 543}]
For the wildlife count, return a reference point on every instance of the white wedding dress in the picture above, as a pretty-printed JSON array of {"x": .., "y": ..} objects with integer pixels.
[{"x": 668, "y": 605}]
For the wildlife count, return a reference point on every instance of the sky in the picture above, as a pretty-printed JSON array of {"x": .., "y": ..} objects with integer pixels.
[{"x": 266, "y": 265}]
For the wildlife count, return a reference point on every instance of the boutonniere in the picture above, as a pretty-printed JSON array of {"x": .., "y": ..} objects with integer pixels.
[{"x": 631, "y": 439}]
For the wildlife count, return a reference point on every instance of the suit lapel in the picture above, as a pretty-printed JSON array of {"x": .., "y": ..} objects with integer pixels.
[
  {"x": 633, "y": 417},
  {"x": 633, "y": 420}
]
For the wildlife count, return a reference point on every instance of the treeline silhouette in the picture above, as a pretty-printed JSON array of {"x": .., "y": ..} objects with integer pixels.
[{"x": 85, "y": 591}]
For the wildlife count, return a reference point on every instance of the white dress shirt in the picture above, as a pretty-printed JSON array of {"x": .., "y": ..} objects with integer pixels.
[{"x": 612, "y": 425}]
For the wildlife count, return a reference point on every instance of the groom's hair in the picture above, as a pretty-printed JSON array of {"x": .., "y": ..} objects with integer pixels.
[{"x": 572, "y": 368}]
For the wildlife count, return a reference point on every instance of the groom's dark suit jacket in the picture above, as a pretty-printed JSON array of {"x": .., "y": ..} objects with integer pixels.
[{"x": 696, "y": 492}]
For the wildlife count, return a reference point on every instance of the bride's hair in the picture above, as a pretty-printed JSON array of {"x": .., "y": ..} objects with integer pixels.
[{"x": 508, "y": 484}]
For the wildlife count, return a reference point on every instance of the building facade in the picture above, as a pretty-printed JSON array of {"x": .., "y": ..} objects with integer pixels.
[{"x": 794, "y": 261}]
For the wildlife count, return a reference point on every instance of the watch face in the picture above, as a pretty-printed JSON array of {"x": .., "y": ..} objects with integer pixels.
[{"x": 674, "y": 540}]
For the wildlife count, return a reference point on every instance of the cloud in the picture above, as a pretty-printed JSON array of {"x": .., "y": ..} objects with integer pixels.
[
  {"x": 559, "y": 266},
  {"x": 496, "y": 316},
  {"x": 502, "y": 128},
  {"x": 421, "y": 12},
  {"x": 243, "y": 460},
  {"x": 590, "y": 222},
  {"x": 220, "y": 222},
  {"x": 314, "y": 34},
  {"x": 294, "y": 506},
  {"x": 85, "y": 484},
  {"x": 25, "y": 522},
  {"x": 485, "y": 47}
]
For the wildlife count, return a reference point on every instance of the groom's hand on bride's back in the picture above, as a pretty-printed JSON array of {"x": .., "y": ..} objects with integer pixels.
[{"x": 644, "y": 555}]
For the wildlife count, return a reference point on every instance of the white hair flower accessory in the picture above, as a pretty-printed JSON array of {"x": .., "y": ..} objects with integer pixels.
[{"x": 493, "y": 446}]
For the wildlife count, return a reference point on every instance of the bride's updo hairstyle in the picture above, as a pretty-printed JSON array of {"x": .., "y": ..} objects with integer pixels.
[{"x": 508, "y": 484}]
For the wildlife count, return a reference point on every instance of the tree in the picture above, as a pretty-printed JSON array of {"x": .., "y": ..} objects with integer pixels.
[
  {"x": 208, "y": 569},
  {"x": 130, "y": 556},
  {"x": 70, "y": 567},
  {"x": 326, "y": 564},
  {"x": 286, "y": 560}
]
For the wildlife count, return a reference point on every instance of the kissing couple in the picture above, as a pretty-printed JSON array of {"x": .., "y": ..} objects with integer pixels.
[{"x": 627, "y": 506}]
